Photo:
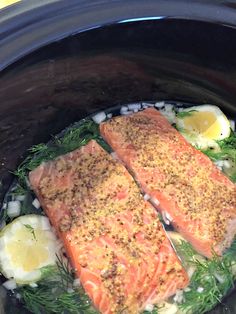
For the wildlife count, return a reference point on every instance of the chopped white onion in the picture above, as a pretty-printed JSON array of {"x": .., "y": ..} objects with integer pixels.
[
  {"x": 232, "y": 124},
  {"x": 134, "y": 106},
  {"x": 191, "y": 271},
  {"x": 20, "y": 198},
  {"x": 178, "y": 298},
  {"x": 146, "y": 197},
  {"x": 169, "y": 107},
  {"x": 76, "y": 282},
  {"x": 99, "y": 117},
  {"x": 149, "y": 307},
  {"x": 18, "y": 296},
  {"x": 160, "y": 104},
  {"x": 13, "y": 209},
  {"x": 109, "y": 115},
  {"x": 33, "y": 285},
  {"x": 3, "y": 224},
  {"x": 136, "y": 110},
  {"x": 27, "y": 182},
  {"x": 219, "y": 164},
  {"x": 36, "y": 203},
  {"x": 220, "y": 278},
  {"x": 147, "y": 104},
  {"x": 126, "y": 113},
  {"x": 168, "y": 114},
  {"x": 70, "y": 290},
  {"x": 123, "y": 109},
  {"x": 9, "y": 284},
  {"x": 200, "y": 289}
]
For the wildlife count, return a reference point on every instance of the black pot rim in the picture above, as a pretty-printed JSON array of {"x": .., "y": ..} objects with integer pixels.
[{"x": 28, "y": 25}]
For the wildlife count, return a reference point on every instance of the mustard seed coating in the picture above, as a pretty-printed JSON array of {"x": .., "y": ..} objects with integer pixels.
[
  {"x": 165, "y": 164},
  {"x": 116, "y": 235}
]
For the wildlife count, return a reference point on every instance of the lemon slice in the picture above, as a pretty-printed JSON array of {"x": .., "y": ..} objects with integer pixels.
[
  {"x": 26, "y": 245},
  {"x": 203, "y": 124}
]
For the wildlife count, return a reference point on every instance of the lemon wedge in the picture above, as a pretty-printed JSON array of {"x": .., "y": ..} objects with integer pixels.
[
  {"x": 26, "y": 245},
  {"x": 203, "y": 125}
]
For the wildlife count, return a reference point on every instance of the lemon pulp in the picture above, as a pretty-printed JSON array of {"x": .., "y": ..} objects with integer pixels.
[
  {"x": 204, "y": 123},
  {"x": 26, "y": 245},
  {"x": 27, "y": 251}
]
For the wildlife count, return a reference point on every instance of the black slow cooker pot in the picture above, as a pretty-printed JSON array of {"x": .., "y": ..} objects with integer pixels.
[{"x": 63, "y": 60}]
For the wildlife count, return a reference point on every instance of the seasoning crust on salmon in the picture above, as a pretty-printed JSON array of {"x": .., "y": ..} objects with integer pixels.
[
  {"x": 114, "y": 238},
  {"x": 198, "y": 199}
]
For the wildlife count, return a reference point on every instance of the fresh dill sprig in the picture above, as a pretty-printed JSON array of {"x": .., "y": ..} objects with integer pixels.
[
  {"x": 226, "y": 151},
  {"x": 18, "y": 190},
  {"x": 54, "y": 293},
  {"x": 184, "y": 114},
  {"x": 71, "y": 139},
  {"x": 211, "y": 280},
  {"x": 31, "y": 230}
]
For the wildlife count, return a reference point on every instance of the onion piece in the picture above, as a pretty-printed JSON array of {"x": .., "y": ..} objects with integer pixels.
[
  {"x": 2, "y": 224},
  {"x": 147, "y": 104},
  {"x": 126, "y": 113},
  {"x": 200, "y": 289},
  {"x": 18, "y": 296},
  {"x": 190, "y": 271},
  {"x": 70, "y": 290},
  {"x": 13, "y": 209},
  {"x": 178, "y": 298},
  {"x": 76, "y": 283},
  {"x": 232, "y": 124},
  {"x": 123, "y": 109},
  {"x": 109, "y": 115},
  {"x": 9, "y": 284},
  {"x": 134, "y": 106},
  {"x": 20, "y": 198},
  {"x": 33, "y": 285},
  {"x": 160, "y": 104},
  {"x": 36, "y": 203},
  {"x": 220, "y": 278},
  {"x": 99, "y": 117},
  {"x": 149, "y": 307}
]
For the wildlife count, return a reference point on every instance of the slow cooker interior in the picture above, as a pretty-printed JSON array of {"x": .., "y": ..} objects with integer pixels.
[{"x": 146, "y": 60}]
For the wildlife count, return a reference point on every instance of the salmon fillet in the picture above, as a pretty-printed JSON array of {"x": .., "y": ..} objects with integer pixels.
[
  {"x": 184, "y": 184},
  {"x": 114, "y": 239}
]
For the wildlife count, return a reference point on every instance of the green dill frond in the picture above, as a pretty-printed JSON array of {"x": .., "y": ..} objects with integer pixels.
[
  {"x": 211, "y": 280},
  {"x": 184, "y": 114},
  {"x": 52, "y": 294},
  {"x": 31, "y": 230},
  {"x": 73, "y": 138}
]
